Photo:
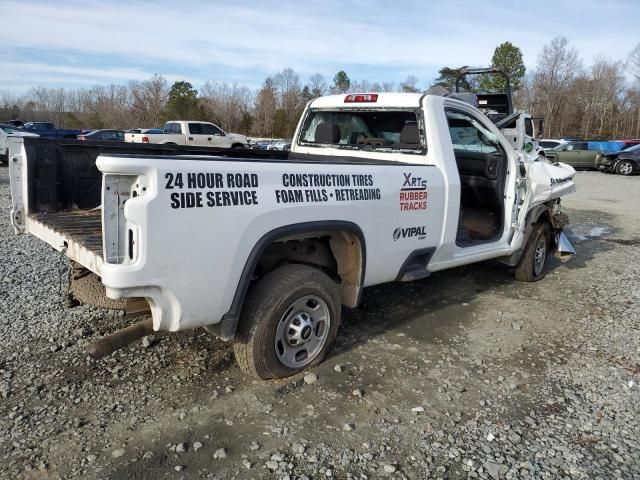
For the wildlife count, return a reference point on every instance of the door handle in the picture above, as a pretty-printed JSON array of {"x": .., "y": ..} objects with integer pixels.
[
  {"x": 208, "y": 138},
  {"x": 190, "y": 138}
]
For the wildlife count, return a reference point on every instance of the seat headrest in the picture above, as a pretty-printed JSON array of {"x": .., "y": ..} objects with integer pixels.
[
  {"x": 409, "y": 133},
  {"x": 327, "y": 133}
]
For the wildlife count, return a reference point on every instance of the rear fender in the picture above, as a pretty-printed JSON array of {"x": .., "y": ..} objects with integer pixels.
[{"x": 226, "y": 328}]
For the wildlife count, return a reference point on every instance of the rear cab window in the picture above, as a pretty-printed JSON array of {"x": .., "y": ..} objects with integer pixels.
[
  {"x": 379, "y": 130},
  {"x": 172, "y": 127}
]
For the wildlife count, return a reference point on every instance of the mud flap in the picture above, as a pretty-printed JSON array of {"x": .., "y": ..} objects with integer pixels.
[{"x": 563, "y": 248}]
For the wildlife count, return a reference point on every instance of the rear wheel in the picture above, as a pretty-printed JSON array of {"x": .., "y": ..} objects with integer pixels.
[
  {"x": 289, "y": 322},
  {"x": 4, "y": 159},
  {"x": 624, "y": 168},
  {"x": 532, "y": 265}
]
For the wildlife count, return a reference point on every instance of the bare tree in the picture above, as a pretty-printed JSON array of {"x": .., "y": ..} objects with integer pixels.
[
  {"x": 409, "y": 84},
  {"x": 227, "y": 105},
  {"x": 558, "y": 65},
  {"x": 633, "y": 62},
  {"x": 318, "y": 85},
  {"x": 148, "y": 100}
]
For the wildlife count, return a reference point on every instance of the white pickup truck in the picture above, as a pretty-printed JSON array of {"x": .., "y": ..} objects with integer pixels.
[
  {"x": 266, "y": 247},
  {"x": 190, "y": 132}
]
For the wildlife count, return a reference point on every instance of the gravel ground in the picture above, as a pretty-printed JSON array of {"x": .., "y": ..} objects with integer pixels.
[{"x": 467, "y": 374}]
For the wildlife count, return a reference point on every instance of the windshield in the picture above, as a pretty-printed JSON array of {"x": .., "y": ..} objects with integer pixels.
[
  {"x": 8, "y": 129},
  {"x": 635, "y": 148},
  {"x": 381, "y": 130},
  {"x": 562, "y": 146}
]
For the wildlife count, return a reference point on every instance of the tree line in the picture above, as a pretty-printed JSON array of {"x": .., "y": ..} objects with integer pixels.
[{"x": 599, "y": 101}]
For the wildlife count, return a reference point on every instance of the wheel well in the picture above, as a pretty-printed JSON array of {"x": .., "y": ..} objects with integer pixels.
[
  {"x": 344, "y": 260},
  {"x": 338, "y": 253},
  {"x": 237, "y": 145}
]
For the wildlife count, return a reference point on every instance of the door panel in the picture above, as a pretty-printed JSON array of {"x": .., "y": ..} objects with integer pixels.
[{"x": 214, "y": 136}]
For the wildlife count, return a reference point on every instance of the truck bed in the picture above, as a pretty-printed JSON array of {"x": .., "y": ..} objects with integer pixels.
[
  {"x": 80, "y": 226},
  {"x": 64, "y": 189}
]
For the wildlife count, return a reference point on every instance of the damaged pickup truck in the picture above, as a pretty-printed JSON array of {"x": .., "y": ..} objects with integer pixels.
[{"x": 265, "y": 250}]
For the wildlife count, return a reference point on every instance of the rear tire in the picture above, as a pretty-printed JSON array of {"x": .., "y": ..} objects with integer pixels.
[
  {"x": 289, "y": 322},
  {"x": 532, "y": 264},
  {"x": 624, "y": 168},
  {"x": 4, "y": 159}
]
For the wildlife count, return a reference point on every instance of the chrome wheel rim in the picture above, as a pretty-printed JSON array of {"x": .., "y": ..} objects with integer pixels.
[
  {"x": 625, "y": 168},
  {"x": 540, "y": 256},
  {"x": 302, "y": 331}
]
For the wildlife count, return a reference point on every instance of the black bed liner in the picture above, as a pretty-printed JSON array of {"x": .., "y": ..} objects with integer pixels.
[
  {"x": 81, "y": 226},
  {"x": 63, "y": 174}
]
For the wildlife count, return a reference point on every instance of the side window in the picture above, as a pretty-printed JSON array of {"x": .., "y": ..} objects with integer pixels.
[
  {"x": 195, "y": 129},
  {"x": 469, "y": 134},
  {"x": 172, "y": 128},
  {"x": 528, "y": 127},
  {"x": 208, "y": 129}
]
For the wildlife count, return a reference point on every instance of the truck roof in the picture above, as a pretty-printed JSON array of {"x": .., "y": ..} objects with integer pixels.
[{"x": 384, "y": 99}]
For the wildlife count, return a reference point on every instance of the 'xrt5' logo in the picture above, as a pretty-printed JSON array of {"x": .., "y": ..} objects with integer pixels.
[{"x": 412, "y": 183}]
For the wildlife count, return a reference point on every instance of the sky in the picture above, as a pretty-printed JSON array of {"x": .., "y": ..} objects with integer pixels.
[{"x": 70, "y": 43}]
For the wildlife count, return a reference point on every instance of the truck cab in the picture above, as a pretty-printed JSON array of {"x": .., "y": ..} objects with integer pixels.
[{"x": 49, "y": 130}]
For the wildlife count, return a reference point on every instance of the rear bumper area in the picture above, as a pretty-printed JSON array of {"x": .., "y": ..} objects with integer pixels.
[{"x": 76, "y": 232}]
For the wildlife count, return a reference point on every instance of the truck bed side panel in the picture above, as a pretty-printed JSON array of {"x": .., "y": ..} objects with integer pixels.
[{"x": 195, "y": 224}]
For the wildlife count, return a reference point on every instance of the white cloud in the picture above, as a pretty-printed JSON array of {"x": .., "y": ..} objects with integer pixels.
[{"x": 218, "y": 40}]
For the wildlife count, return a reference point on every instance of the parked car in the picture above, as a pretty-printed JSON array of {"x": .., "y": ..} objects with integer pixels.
[
  {"x": 624, "y": 162},
  {"x": 282, "y": 145},
  {"x": 576, "y": 154},
  {"x": 549, "y": 143},
  {"x": 146, "y": 130},
  {"x": 191, "y": 132},
  {"x": 49, "y": 130},
  {"x": 103, "y": 135},
  {"x": 7, "y": 131},
  {"x": 15, "y": 123},
  {"x": 261, "y": 145}
]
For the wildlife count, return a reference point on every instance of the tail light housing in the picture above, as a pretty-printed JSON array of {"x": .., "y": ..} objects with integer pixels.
[
  {"x": 361, "y": 98},
  {"x": 145, "y": 139}
]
